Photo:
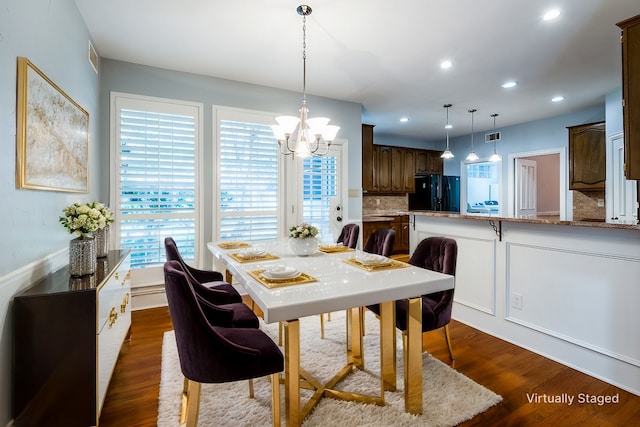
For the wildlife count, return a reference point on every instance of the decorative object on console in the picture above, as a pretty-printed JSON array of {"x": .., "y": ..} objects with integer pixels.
[
  {"x": 84, "y": 220},
  {"x": 302, "y": 239},
  {"x": 303, "y": 136},
  {"x": 102, "y": 233}
]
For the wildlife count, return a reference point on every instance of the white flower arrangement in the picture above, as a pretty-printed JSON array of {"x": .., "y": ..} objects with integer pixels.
[
  {"x": 303, "y": 231},
  {"x": 86, "y": 219}
]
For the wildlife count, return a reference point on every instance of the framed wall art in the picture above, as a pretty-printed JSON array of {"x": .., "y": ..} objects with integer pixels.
[{"x": 52, "y": 135}]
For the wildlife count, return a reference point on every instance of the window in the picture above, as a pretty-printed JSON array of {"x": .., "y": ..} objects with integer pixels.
[
  {"x": 248, "y": 181},
  {"x": 156, "y": 143},
  {"x": 320, "y": 188}
]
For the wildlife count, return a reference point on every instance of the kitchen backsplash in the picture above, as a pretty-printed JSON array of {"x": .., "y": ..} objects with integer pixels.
[
  {"x": 373, "y": 204},
  {"x": 585, "y": 206}
]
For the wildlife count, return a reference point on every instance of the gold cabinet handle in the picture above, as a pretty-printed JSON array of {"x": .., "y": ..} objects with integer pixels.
[
  {"x": 126, "y": 277},
  {"x": 117, "y": 275},
  {"x": 125, "y": 303},
  {"x": 113, "y": 316}
]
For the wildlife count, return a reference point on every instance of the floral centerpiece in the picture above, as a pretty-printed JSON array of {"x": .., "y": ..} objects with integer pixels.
[
  {"x": 303, "y": 231},
  {"x": 302, "y": 239},
  {"x": 82, "y": 219},
  {"x": 87, "y": 221}
]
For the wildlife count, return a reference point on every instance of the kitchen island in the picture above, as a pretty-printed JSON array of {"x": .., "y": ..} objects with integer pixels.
[{"x": 568, "y": 290}]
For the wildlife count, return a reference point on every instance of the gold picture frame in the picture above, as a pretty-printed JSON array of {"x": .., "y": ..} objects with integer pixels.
[{"x": 52, "y": 135}]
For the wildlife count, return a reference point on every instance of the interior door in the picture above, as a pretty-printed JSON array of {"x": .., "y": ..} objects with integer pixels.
[
  {"x": 624, "y": 194},
  {"x": 526, "y": 188},
  {"x": 321, "y": 189}
]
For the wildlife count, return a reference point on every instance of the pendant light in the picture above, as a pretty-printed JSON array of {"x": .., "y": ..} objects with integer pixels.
[
  {"x": 495, "y": 157},
  {"x": 472, "y": 157},
  {"x": 447, "y": 154},
  {"x": 304, "y": 136}
]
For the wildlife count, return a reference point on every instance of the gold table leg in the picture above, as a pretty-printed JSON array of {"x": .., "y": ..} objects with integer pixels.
[
  {"x": 355, "y": 355},
  {"x": 388, "y": 364},
  {"x": 292, "y": 372},
  {"x": 413, "y": 365}
]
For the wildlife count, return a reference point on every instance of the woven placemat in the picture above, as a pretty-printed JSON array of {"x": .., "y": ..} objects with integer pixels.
[
  {"x": 264, "y": 257},
  {"x": 279, "y": 283},
  {"x": 376, "y": 267},
  {"x": 332, "y": 249},
  {"x": 233, "y": 245}
]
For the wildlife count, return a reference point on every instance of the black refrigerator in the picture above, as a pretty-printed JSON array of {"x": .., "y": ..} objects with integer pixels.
[{"x": 436, "y": 193}]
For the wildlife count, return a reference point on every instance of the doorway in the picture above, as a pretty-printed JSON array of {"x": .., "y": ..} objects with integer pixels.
[{"x": 550, "y": 189}]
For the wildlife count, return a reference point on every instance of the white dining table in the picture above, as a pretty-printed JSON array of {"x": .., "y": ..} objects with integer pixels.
[{"x": 339, "y": 285}]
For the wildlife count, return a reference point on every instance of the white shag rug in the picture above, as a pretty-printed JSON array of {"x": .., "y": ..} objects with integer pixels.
[{"x": 449, "y": 397}]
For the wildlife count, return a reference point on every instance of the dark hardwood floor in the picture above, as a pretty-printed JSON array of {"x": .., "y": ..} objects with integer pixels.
[{"x": 512, "y": 372}]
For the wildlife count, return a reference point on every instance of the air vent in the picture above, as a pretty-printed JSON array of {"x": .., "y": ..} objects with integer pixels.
[
  {"x": 491, "y": 137},
  {"x": 93, "y": 58}
]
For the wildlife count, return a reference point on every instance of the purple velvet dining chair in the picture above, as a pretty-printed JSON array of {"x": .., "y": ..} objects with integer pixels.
[
  {"x": 349, "y": 235},
  {"x": 437, "y": 254},
  {"x": 221, "y": 291},
  {"x": 216, "y": 354},
  {"x": 380, "y": 242}
]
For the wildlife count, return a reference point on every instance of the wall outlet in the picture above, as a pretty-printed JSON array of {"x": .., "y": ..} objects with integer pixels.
[
  {"x": 516, "y": 300},
  {"x": 600, "y": 203},
  {"x": 377, "y": 201}
]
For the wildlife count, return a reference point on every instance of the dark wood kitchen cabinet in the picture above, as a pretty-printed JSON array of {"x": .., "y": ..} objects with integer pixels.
[
  {"x": 400, "y": 225},
  {"x": 428, "y": 162},
  {"x": 587, "y": 157},
  {"x": 630, "y": 40},
  {"x": 382, "y": 169},
  {"x": 402, "y": 170},
  {"x": 367, "y": 158}
]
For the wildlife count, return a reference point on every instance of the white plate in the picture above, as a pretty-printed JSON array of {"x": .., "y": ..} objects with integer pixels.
[
  {"x": 371, "y": 259},
  {"x": 281, "y": 273},
  {"x": 251, "y": 252}
]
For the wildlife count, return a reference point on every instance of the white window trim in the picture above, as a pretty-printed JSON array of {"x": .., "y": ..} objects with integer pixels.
[
  {"x": 150, "y": 276},
  {"x": 251, "y": 116}
]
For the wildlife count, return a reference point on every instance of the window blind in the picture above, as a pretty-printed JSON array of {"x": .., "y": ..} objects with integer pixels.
[
  {"x": 248, "y": 181},
  {"x": 319, "y": 187},
  {"x": 157, "y": 183}
]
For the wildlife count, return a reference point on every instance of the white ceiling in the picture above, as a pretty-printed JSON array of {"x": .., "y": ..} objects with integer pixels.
[{"x": 385, "y": 54}]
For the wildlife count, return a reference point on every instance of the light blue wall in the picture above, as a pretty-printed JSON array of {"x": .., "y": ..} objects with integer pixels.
[
  {"x": 53, "y": 36},
  {"x": 531, "y": 136},
  {"x": 120, "y": 76}
]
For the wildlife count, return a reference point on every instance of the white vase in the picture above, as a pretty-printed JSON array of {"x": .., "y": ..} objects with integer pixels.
[
  {"x": 303, "y": 247},
  {"x": 82, "y": 256}
]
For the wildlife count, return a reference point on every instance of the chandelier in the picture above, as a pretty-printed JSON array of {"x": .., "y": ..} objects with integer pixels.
[
  {"x": 447, "y": 154},
  {"x": 303, "y": 136}
]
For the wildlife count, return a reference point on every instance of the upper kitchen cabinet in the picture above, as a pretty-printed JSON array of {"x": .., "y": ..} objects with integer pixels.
[
  {"x": 428, "y": 162},
  {"x": 587, "y": 157},
  {"x": 367, "y": 158},
  {"x": 630, "y": 40},
  {"x": 402, "y": 170},
  {"x": 382, "y": 169}
]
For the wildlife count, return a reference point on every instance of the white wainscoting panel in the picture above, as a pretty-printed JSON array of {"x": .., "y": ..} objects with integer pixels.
[
  {"x": 582, "y": 296},
  {"x": 476, "y": 265}
]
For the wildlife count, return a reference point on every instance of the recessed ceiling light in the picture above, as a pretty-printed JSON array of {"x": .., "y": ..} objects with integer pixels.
[
  {"x": 507, "y": 85},
  {"x": 404, "y": 119},
  {"x": 557, "y": 99},
  {"x": 445, "y": 64},
  {"x": 552, "y": 14},
  {"x": 448, "y": 126}
]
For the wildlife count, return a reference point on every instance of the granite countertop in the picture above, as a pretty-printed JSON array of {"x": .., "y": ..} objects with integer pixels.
[
  {"x": 382, "y": 215},
  {"x": 538, "y": 220}
]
